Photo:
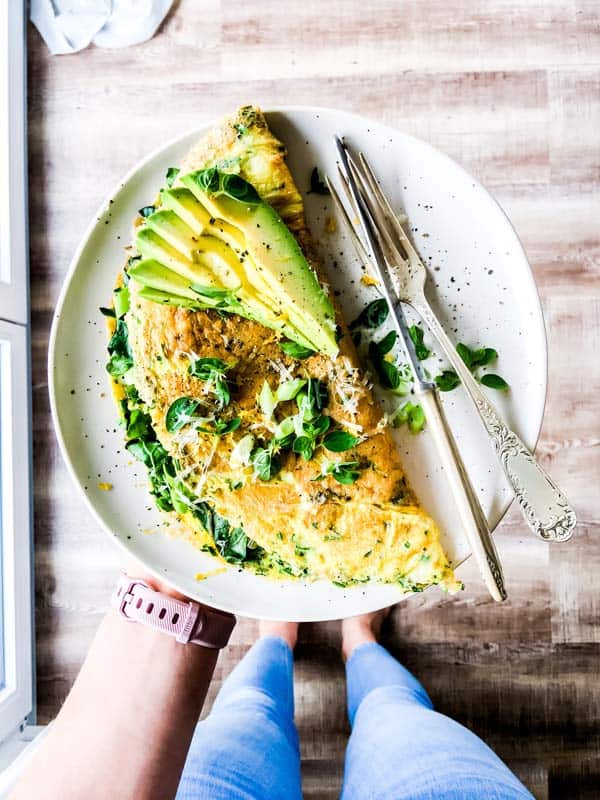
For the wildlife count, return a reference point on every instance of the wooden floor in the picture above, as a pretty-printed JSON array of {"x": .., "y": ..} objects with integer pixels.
[{"x": 511, "y": 90}]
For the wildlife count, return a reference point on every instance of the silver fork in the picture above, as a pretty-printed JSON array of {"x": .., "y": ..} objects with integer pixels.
[
  {"x": 384, "y": 258},
  {"x": 545, "y": 508}
]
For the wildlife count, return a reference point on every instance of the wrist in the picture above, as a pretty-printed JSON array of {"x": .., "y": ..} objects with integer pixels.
[{"x": 188, "y": 622}]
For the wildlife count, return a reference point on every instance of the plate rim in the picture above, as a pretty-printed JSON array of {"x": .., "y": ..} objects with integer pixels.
[{"x": 121, "y": 185}]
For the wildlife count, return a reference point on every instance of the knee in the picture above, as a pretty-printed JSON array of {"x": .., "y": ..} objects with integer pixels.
[{"x": 251, "y": 710}]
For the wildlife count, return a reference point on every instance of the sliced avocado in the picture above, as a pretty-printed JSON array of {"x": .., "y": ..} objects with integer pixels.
[
  {"x": 274, "y": 254},
  {"x": 174, "y": 231},
  {"x": 217, "y": 256},
  {"x": 168, "y": 299},
  {"x": 154, "y": 247},
  {"x": 196, "y": 217},
  {"x": 185, "y": 205},
  {"x": 255, "y": 308},
  {"x": 156, "y": 276},
  {"x": 227, "y": 232}
]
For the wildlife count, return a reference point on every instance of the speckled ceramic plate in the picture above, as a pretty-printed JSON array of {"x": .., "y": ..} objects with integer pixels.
[{"x": 484, "y": 291}]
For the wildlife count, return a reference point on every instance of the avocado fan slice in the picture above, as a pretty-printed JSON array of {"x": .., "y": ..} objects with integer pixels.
[{"x": 214, "y": 231}]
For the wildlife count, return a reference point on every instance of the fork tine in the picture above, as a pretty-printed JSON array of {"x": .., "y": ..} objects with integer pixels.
[
  {"x": 367, "y": 223},
  {"x": 377, "y": 214},
  {"x": 356, "y": 240},
  {"x": 387, "y": 207},
  {"x": 344, "y": 181}
]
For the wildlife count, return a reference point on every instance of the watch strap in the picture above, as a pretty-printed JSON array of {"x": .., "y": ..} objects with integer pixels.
[{"x": 187, "y": 621}]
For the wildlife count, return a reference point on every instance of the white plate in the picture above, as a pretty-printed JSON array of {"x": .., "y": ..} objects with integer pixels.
[{"x": 484, "y": 292}]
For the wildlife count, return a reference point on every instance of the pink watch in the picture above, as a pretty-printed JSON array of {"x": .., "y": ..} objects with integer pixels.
[{"x": 188, "y": 622}]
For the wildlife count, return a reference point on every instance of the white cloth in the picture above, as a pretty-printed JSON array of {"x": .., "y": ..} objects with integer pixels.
[{"x": 68, "y": 26}]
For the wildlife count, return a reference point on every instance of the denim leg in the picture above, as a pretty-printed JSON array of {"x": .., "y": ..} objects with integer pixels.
[
  {"x": 401, "y": 749},
  {"x": 247, "y": 748}
]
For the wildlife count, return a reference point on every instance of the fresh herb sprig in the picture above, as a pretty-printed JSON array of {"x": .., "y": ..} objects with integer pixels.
[
  {"x": 373, "y": 316},
  {"x": 417, "y": 335},
  {"x": 295, "y": 350},
  {"x": 345, "y": 472},
  {"x": 171, "y": 175},
  {"x": 474, "y": 360},
  {"x": 213, "y": 371}
]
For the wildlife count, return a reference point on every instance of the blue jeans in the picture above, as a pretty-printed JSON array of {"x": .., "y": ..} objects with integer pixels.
[{"x": 400, "y": 748}]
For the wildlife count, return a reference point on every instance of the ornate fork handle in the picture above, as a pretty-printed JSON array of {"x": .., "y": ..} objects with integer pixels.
[{"x": 547, "y": 511}]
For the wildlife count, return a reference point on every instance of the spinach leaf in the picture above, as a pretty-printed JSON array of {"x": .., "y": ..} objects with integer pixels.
[
  {"x": 172, "y": 173},
  {"x": 205, "y": 368},
  {"x": 373, "y": 316},
  {"x": 159, "y": 464},
  {"x": 338, "y": 441},
  {"x": 447, "y": 380},
  {"x": 139, "y": 425},
  {"x": 317, "y": 186},
  {"x": 214, "y": 182},
  {"x": 232, "y": 543},
  {"x": 345, "y": 472},
  {"x": 107, "y": 312},
  {"x": 151, "y": 453},
  {"x": 226, "y": 296},
  {"x": 180, "y": 413},
  {"x": 295, "y": 350},
  {"x": 417, "y": 334},
  {"x": 494, "y": 382},
  {"x": 121, "y": 359}
]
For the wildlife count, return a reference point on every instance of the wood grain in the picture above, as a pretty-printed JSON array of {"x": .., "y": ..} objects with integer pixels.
[{"x": 512, "y": 91}]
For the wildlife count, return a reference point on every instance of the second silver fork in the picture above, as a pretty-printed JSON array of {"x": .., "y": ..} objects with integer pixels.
[
  {"x": 384, "y": 258},
  {"x": 545, "y": 508}
]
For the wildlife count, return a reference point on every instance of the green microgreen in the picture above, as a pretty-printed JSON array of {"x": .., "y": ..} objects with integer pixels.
[
  {"x": 170, "y": 176},
  {"x": 295, "y": 350},
  {"x": 447, "y": 380},
  {"x": 373, "y": 316},
  {"x": 494, "y": 382},
  {"x": 339, "y": 441},
  {"x": 344, "y": 472},
  {"x": 417, "y": 335},
  {"x": 213, "y": 371}
]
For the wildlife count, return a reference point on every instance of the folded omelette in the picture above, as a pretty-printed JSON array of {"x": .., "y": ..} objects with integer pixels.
[{"x": 239, "y": 386}]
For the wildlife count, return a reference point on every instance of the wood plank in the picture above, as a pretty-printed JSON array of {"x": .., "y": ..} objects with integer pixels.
[{"x": 508, "y": 88}]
